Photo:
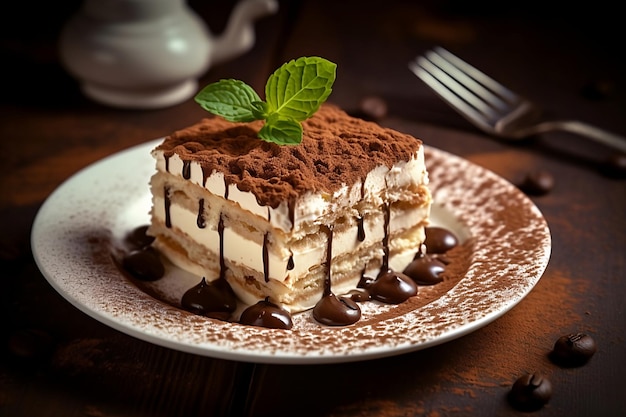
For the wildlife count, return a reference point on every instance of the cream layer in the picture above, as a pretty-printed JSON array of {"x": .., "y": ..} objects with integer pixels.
[
  {"x": 400, "y": 183},
  {"x": 243, "y": 250}
]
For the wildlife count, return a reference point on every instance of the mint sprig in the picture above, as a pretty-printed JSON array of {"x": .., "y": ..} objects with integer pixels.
[
  {"x": 293, "y": 93},
  {"x": 231, "y": 99}
]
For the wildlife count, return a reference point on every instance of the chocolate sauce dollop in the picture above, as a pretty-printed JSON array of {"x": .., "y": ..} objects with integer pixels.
[
  {"x": 206, "y": 298},
  {"x": 266, "y": 314},
  {"x": 216, "y": 299},
  {"x": 138, "y": 237},
  {"x": 425, "y": 270},
  {"x": 392, "y": 287},
  {"x": 144, "y": 264},
  {"x": 439, "y": 240},
  {"x": 336, "y": 311}
]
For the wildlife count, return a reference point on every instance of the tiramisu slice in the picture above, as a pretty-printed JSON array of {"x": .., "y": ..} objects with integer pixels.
[{"x": 276, "y": 221}]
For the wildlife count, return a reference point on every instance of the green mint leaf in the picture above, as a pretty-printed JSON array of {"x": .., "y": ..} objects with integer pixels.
[
  {"x": 260, "y": 109},
  {"x": 281, "y": 130},
  {"x": 298, "y": 88},
  {"x": 294, "y": 92},
  {"x": 231, "y": 99}
]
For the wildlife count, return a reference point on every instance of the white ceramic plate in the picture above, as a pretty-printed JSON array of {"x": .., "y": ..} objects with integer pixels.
[{"x": 505, "y": 250}]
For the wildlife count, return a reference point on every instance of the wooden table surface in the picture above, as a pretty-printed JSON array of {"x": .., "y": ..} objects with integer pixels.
[{"x": 57, "y": 361}]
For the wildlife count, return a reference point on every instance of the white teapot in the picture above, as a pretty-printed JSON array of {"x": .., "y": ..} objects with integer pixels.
[{"x": 146, "y": 54}]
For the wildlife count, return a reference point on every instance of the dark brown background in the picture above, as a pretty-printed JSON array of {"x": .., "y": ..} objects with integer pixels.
[{"x": 79, "y": 367}]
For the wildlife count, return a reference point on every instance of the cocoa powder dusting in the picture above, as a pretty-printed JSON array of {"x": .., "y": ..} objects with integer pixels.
[
  {"x": 486, "y": 360},
  {"x": 528, "y": 331},
  {"x": 520, "y": 341},
  {"x": 336, "y": 150}
]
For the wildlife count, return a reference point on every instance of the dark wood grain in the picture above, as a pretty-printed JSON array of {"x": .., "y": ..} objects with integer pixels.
[{"x": 57, "y": 361}]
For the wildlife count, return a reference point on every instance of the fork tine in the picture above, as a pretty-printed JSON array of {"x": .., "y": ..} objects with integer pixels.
[
  {"x": 457, "y": 83},
  {"x": 478, "y": 75},
  {"x": 422, "y": 68},
  {"x": 465, "y": 85},
  {"x": 489, "y": 105},
  {"x": 472, "y": 93}
]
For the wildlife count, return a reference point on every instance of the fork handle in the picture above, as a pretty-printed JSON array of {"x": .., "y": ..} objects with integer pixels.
[{"x": 592, "y": 132}]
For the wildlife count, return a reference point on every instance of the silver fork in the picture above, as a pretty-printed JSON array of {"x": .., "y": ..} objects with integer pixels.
[{"x": 491, "y": 106}]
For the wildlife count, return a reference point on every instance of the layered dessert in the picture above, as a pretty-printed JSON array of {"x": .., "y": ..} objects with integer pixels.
[{"x": 284, "y": 224}]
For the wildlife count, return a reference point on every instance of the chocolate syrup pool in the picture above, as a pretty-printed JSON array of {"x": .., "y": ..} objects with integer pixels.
[{"x": 212, "y": 296}]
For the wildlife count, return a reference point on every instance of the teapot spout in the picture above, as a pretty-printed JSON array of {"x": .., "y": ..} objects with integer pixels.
[{"x": 238, "y": 37}]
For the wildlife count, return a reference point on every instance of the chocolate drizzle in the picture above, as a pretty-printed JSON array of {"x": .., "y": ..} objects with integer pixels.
[
  {"x": 330, "y": 309},
  {"x": 220, "y": 231},
  {"x": 360, "y": 235},
  {"x": 204, "y": 176},
  {"x": 200, "y": 220},
  {"x": 216, "y": 299},
  {"x": 360, "y": 220},
  {"x": 186, "y": 170},
  {"x": 292, "y": 212},
  {"x": 266, "y": 260},
  {"x": 329, "y": 256},
  {"x": 168, "y": 204},
  {"x": 389, "y": 286},
  {"x": 385, "y": 264}
]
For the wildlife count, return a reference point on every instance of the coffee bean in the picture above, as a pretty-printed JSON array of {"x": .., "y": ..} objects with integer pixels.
[
  {"x": 538, "y": 182},
  {"x": 573, "y": 349},
  {"x": 372, "y": 108},
  {"x": 530, "y": 392}
]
